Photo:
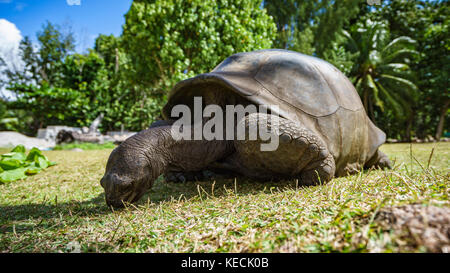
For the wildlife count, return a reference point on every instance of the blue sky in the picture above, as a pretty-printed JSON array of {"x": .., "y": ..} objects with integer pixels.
[{"x": 87, "y": 20}]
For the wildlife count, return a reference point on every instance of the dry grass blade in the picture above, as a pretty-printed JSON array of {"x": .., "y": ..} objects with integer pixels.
[{"x": 46, "y": 212}]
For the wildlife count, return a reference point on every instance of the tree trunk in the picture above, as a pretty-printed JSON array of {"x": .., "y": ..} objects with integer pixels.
[
  {"x": 371, "y": 112},
  {"x": 365, "y": 100},
  {"x": 440, "y": 127},
  {"x": 94, "y": 126},
  {"x": 117, "y": 61},
  {"x": 409, "y": 125},
  {"x": 408, "y": 129}
]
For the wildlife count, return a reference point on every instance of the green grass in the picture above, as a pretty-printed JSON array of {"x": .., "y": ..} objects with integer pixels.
[
  {"x": 64, "y": 206},
  {"x": 85, "y": 146}
]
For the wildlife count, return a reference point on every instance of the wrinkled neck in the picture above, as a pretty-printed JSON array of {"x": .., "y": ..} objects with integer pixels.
[
  {"x": 151, "y": 145},
  {"x": 164, "y": 153}
]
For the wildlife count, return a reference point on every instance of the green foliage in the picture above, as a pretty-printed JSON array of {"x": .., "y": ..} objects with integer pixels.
[
  {"x": 57, "y": 87},
  {"x": 8, "y": 120},
  {"x": 48, "y": 105},
  {"x": 186, "y": 38},
  {"x": 310, "y": 27},
  {"x": 55, "y": 46},
  {"x": 127, "y": 78},
  {"x": 125, "y": 104},
  {"x": 17, "y": 165},
  {"x": 40, "y": 95},
  {"x": 427, "y": 23},
  {"x": 109, "y": 48},
  {"x": 85, "y": 146},
  {"x": 381, "y": 71}
]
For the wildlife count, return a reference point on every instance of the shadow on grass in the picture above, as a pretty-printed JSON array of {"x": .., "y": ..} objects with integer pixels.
[
  {"x": 50, "y": 209},
  {"x": 166, "y": 192},
  {"x": 49, "y": 212}
]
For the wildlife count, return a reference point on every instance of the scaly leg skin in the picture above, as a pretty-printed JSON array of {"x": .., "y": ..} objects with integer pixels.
[
  {"x": 173, "y": 176},
  {"x": 182, "y": 177},
  {"x": 301, "y": 154},
  {"x": 379, "y": 160}
]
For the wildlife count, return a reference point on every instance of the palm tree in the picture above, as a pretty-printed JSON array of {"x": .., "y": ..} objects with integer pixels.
[{"x": 381, "y": 73}]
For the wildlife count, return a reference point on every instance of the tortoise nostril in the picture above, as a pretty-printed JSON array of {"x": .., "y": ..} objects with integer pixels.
[
  {"x": 121, "y": 184},
  {"x": 103, "y": 182},
  {"x": 107, "y": 179},
  {"x": 126, "y": 187}
]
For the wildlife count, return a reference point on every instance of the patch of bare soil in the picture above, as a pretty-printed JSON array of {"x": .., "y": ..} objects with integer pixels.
[{"x": 427, "y": 226}]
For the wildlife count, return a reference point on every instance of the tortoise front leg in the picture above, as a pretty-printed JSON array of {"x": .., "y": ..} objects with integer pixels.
[
  {"x": 141, "y": 159},
  {"x": 173, "y": 176},
  {"x": 301, "y": 154}
]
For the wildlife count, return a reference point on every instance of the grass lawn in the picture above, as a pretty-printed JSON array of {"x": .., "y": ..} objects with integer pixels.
[{"x": 63, "y": 208}]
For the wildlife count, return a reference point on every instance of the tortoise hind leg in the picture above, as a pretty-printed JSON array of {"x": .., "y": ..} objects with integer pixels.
[
  {"x": 378, "y": 160},
  {"x": 300, "y": 154}
]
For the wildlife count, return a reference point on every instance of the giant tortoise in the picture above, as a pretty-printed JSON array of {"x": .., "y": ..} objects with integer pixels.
[{"x": 322, "y": 127}]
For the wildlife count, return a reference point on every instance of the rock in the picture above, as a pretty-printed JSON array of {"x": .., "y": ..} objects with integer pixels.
[
  {"x": 71, "y": 136},
  {"x": 12, "y": 139},
  {"x": 425, "y": 225},
  {"x": 119, "y": 136},
  {"x": 51, "y": 132},
  {"x": 430, "y": 138}
]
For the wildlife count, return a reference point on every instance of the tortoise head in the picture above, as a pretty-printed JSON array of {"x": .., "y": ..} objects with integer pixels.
[{"x": 127, "y": 176}]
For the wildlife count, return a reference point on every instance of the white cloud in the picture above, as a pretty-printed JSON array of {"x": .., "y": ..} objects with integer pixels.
[
  {"x": 10, "y": 38},
  {"x": 74, "y": 2},
  {"x": 20, "y": 6}
]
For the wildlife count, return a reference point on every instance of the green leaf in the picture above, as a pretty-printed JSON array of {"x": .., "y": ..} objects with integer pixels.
[
  {"x": 32, "y": 170},
  {"x": 398, "y": 110},
  {"x": 41, "y": 162},
  {"x": 13, "y": 175},
  {"x": 10, "y": 164},
  {"x": 373, "y": 86},
  {"x": 16, "y": 165},
  {"x": 19, "y": 149},
  {"x": 35, "y": 152},
  {"x": 402, "y": 81},
  {"x": 51, "y": 163},
  {"x": 400, "y": 53},
  {"x": 15, "y": 155},
  {"x": 395, "y": 66},
  {"x": 399, "y": 41}
]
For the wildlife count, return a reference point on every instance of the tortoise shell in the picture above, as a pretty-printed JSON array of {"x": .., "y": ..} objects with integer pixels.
[{"x": 306, "y": 89}]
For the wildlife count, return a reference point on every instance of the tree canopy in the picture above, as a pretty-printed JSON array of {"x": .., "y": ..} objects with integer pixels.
[
  {"x": 396, "y": 54},
  {"x": 186, "y": 38}
]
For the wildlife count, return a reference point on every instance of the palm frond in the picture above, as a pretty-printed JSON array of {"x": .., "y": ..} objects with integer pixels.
[
  {"x": 371, "y": 84},
  {"x": 353, "y": 46},
  {"x": 395, "y": 66},
  {"x": 402, "y": 81},
  {"x": 402, "y": 40},
  {"x": 358, "y": 85},
  {"x": 400, "y": 53},
  {"x": 398, "y": 109}
]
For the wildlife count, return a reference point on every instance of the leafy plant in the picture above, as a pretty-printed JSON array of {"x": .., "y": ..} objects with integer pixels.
[
  {"x": 311, "y": 27},
  {"x": 381, "y": 70},
  {"x": 186, "y": 38},
  {"x": 17, "y": 165}
]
